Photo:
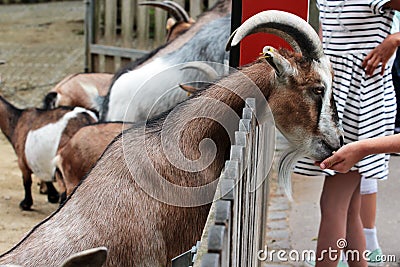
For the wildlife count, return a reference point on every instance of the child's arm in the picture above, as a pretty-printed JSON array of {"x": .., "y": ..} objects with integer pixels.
[
  {"x": 348, "y": 155},
  {"x": 394, "y": 4}
]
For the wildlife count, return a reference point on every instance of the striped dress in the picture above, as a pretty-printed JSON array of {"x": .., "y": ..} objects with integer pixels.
[{"x": 366, "y": 104}]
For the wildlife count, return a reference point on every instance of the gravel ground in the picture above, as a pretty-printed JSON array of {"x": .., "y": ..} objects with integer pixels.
[{"x": 41, "y": 44}]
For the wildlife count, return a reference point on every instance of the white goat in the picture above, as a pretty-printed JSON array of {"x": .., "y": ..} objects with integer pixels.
[{"x": 146, "y": 199}]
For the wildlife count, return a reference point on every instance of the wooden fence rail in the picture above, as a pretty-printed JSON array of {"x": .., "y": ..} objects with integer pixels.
[
  {"x": 119, "y": 31},
  {"x": 235, "y": 229}
]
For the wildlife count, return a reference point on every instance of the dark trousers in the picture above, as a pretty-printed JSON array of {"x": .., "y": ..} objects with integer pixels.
[{"x": 396, "y": 84}]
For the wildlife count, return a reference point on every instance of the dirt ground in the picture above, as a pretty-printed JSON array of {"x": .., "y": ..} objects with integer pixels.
[{"x": 41, "y": 44}]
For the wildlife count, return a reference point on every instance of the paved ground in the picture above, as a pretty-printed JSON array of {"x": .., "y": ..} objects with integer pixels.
[{"x": 294, "y": 225}]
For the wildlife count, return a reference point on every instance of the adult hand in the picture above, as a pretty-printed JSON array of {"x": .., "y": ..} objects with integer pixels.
[{"x": 381, "y": 54}]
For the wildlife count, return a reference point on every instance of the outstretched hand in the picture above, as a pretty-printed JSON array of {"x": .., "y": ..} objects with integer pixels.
[{"x": 343, "y": 159}]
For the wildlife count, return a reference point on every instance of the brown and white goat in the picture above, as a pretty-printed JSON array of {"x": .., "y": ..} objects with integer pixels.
[
  {"x": 82, "y": 151},
  {"x": 79, "y": 90},
  {"x": 36, "y": 135},
  {"x": 147, "y": 198},
  {"x": 78, "y": 156}
]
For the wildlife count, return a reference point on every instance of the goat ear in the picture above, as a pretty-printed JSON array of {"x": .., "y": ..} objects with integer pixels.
[
  {"x": 49, "y": 102},
  {"x": 95, "y": 257},
  {"x": 170, "y": 23},
  {"x": 277, "y": 62}
]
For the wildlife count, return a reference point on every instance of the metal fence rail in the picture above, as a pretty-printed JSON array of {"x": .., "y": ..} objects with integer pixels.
[{"x": 235, "y": 230}]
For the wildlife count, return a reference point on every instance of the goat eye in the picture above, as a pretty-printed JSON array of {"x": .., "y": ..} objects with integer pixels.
[{"x": 318, "y": 90}]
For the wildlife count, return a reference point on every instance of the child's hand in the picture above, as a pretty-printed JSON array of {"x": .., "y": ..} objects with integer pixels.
[{"x": 343, "y": 159}]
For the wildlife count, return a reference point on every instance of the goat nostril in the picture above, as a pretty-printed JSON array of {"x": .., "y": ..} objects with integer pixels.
[{"x": 341, "y": 141}]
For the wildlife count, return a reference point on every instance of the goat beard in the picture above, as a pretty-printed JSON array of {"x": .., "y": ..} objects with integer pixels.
[{"x": 285, "y": 166}]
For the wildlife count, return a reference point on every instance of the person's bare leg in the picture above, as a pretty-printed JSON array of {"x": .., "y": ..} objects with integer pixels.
[
  {"x": 336, "y": 196},
  {"x": 354, "y": 234},
  {"x": 368, "y": 210}
]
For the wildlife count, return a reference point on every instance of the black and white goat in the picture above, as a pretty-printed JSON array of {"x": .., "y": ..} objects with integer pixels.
[{"x": 147, "y": 198}]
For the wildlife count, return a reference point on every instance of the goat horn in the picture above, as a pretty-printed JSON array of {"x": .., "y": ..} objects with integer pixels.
[
  {"x": 211, "y": 73},
  {"x": 293, "y": 29},
  {"x": 189, "y": 89},
  {"x": 174, "y": 9},
  {"x": 180, "y": 9}
]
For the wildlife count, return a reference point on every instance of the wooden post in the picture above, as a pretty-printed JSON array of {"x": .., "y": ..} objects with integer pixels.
[
  {"x": 160, "y": 20},
  {"x": 127, "y": 11},
  {"x": 196, "y": 8},
  {"x": 110, "y": 21},
  {"x": 181, "y": 2},
  {"x": 95, "y": 36},
  {"x": 142, "y": 28},
  {"x": 88, "y": 33},
  {"x": 211, "y": 3}
]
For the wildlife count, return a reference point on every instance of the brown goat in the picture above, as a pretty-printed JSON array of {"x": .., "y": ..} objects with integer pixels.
[
  {"x": 78, "y": 156},
  {"x": 36, "y": 135},
  {"x": 147, "y": 198}
]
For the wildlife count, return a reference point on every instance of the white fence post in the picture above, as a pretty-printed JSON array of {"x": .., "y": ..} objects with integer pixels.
[{"x": 236, "y": 239}]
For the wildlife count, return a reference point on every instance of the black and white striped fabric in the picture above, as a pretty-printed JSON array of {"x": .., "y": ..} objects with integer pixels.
[{"x": 366, "y": 104}]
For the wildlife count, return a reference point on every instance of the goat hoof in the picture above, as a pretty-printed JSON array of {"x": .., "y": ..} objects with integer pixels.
[
  {"x": 53, "y": 198},
  {"x": 25, "y": 205}
]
